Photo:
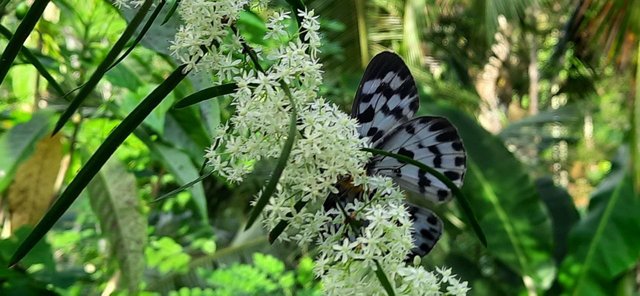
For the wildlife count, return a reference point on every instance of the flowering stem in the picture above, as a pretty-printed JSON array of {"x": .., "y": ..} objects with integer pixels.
[{"x": 464, "y": 204}]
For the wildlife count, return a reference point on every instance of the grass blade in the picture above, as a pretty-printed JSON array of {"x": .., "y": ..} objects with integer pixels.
[
  {"x": 104, "y": 66},
  {"x": 462, "y": 201},
  {"x": 21, "y": 34},
  {"x": 97, "y": 160},
  {"x": 205, "y": 94},
  {"x": 384, "y": 281}
]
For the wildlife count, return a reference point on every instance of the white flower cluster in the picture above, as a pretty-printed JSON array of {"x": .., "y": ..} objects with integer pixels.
[
  {"x": 206, "y": 41},
  {"x": 327, "y": 149},
  {"x": 348, "y": 258}
]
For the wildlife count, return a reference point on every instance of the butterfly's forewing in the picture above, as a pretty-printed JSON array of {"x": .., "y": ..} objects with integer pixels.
[
  {"x": 386, "y": 97},
  {"x": 433, "y": 141},
  {"x": 427, "y": 229}
]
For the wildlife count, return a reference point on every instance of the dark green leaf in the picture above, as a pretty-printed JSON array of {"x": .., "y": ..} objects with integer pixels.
[
  {"x": 97, "y": 160},
  {"x": 142, "y": 33},
  {"x": 206, "y": 94},
  {"x": 270, "y": 188},
  {"x": 563, "y": 214},
  {"x": 384, "y": 281},
  {"x": 22, "y": 32},
  {"x": 172, "y": 10}
]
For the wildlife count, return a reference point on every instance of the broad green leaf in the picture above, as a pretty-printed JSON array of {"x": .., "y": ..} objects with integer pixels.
[
  {"x": 158, "y": 37},
  {"x": 180, "y": 165},
  {"x": 506, "y": 204},
  {"x": 185, "y": 129},
  {"x": 605, "y": 244},
  {"x": 114, "y": 200},
  {"x": 563, "y": 214},
  {"x": 18, "y": 143}
]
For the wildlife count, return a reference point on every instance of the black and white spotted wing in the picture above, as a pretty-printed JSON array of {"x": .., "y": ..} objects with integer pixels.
[
  {"x": 433, "y": 141},
  {"x": 386, "y": 97},
  {"x": 385, "y": 102},
  {"x": 427, "y": 229}
]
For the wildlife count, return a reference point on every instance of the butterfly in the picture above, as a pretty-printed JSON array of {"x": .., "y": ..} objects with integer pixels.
[{"x": 384, "y": 106}]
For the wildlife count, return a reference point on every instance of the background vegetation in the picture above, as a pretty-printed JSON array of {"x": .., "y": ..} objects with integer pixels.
[{"x": 544, "y": 94}]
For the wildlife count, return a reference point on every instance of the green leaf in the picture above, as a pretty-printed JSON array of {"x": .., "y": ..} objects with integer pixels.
[
  {"x": 141, "y": 34},
  {"x": 18, "y": 143},
  {"x": 97, "y": 160},
  {"x": 172, "y": 10},
  {"x": 22, "y": 32},
  {"x": 205, "y": 94},
  {"x": 605, "y": 244},
  {"x": 384, "y": 281},
  {"x": 103, "y": 67},
  {"x": 114, "y": 200},
  {"x": 563, "y": 214},
  {"x": 282, "y": 225},
  {"x": 180, "y": 165},
  {"x": 270, "y": 188},
  {"x": 156, "y": 119},
  {"x": 508, "y": 206}
]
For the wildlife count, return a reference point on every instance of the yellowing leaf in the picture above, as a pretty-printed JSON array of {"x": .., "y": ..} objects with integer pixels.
[{"x": 34, "y": 185}]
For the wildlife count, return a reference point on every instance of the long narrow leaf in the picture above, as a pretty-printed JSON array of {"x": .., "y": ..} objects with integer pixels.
[
  {"x": 282, "y": 162},
  {"x": 97, "y": 160},
  {"x": 207, "y": 93},
  {"x": 172, "y": 10},
  {"x": 384, "y": 281},
  {"x": 464, "y": 203},
  {"x": 141, "y": 35},
  {"x": 22, "y": 32},
  {"x": 31, "y": 58},
  {"x": 282, "y": 225},
  {"x": 182, "y": 188},
  {"x": 104, "y": 66}
]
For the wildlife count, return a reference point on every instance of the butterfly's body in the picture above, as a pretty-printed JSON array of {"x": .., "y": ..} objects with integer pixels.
[{"x": 385, "y": 103}]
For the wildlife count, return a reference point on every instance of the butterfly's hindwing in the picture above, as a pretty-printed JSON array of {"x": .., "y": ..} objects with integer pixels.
[
  {"x": 433, "y": 141},
  {"x": 427, "y": 229},
  {"x": 386, "y": 97}
]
